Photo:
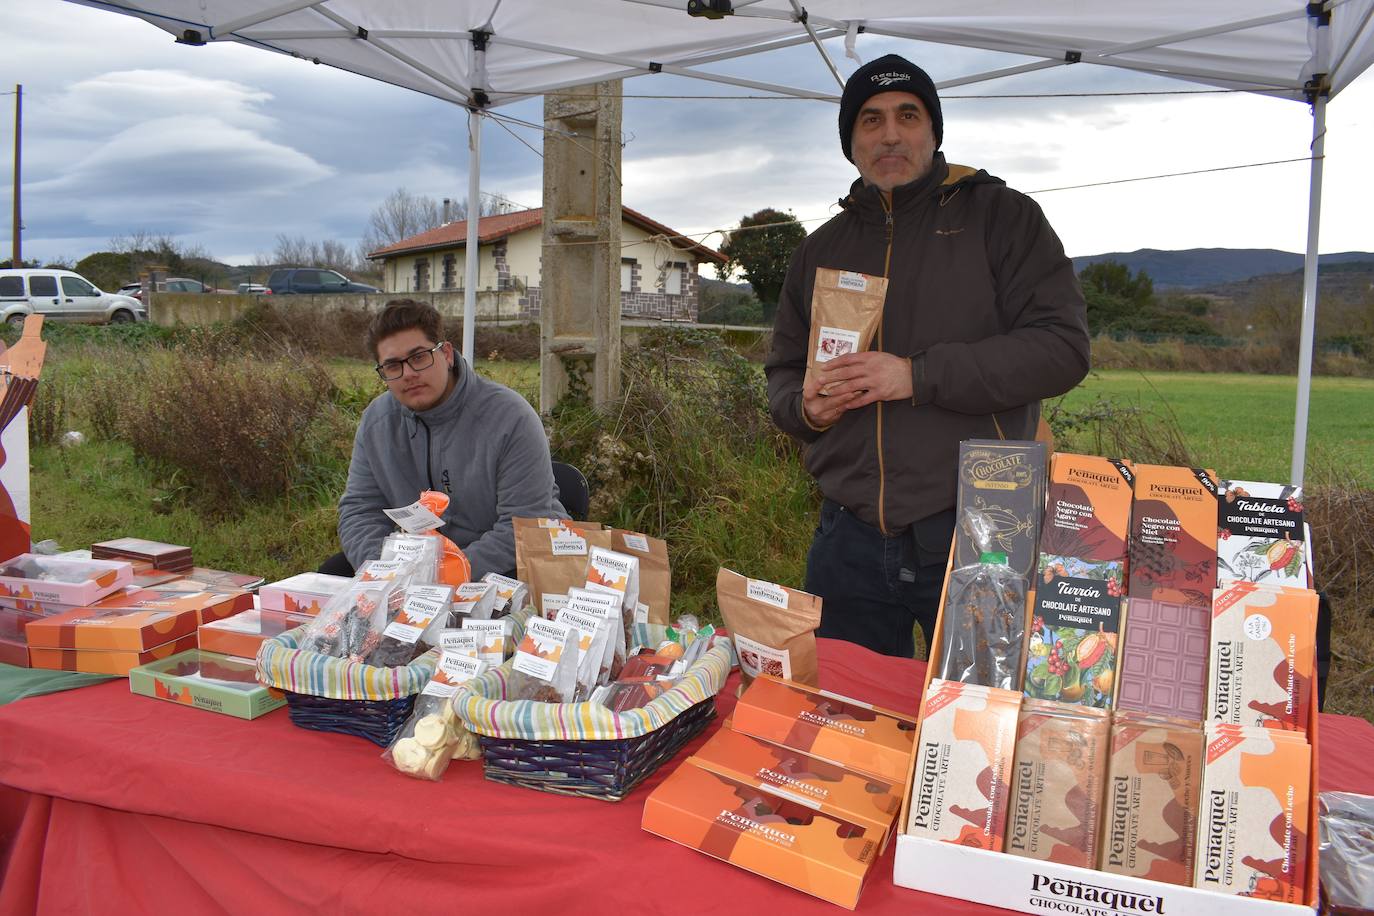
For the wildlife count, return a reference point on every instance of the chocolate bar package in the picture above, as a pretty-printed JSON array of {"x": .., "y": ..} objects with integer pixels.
[
  {"x": 1088, "y": 510},
  {"x": 1263, "y": 656},
  {"x": 1005, "y": 480},
  {"x": 1149, "y": 827},
  {"x": 1056, "y": 783},
  {"x": 1163, "y": 668},
  {"x": 769, "y": 834},
  {"x": 1261, "y": 534},
  {"x": 1174, "y": 534},
  {"x": 1075, "y": 633},
  {"x": 963, "y": 764},
  {"x": 1252, "y": 829}
]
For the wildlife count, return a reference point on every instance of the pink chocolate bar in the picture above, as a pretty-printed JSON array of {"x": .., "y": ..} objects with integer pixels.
[{"x": 1164, "y": 661}]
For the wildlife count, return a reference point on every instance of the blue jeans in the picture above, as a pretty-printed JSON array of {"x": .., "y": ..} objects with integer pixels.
[{"x": 876, "y": 589}]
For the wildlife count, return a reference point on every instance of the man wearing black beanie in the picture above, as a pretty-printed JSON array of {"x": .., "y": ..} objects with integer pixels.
[{"x": 982, "y": 319}]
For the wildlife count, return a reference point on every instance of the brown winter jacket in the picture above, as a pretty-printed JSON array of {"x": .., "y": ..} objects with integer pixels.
[{"x": 983, "y": 300}]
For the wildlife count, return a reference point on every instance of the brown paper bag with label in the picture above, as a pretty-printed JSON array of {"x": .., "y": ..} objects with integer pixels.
[
  {"x": 846, "y": 310},
  {"x": 552, "y": 558},
  {"x": 774, "y": 627},
  {"x": 655, "y": 572}
]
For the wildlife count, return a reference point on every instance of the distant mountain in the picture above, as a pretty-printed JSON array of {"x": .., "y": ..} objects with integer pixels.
[{"x": 1197, "y": 268}]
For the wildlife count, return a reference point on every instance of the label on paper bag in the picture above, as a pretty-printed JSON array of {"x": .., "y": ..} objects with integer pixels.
[
  {"x": 542, "y": 648},
  {"x": 421, "y": 605},
  {"x": 461, "y": 642},
  {"x": 636, "y": 542},
  {"x": 414, "y": 518},
  {"x": 565, "y": 543},
  {"x": 767, "y": 592},
  {"x": 755, "y": 658},
  {"x": 833, "y": 342},
  {"x": 453, "y": 671},
  {"x": 552, "y": 604}
]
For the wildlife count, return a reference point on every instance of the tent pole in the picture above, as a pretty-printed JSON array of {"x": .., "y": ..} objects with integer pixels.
[
  {"x": 474, "y": 217},
  {"x": 1309, "y": 290}
]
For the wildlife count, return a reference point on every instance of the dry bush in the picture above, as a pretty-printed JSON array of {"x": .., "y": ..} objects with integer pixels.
[
  {"x": 492, "y": 342},
  {"x": 1181, "y": 356},
  {"x": 1342, "y": 518},
  {"x": 1106, "y": 427},
  {"x": 48, "y": 412},
  {"x": 237, "y": 427},
  {"x": 292, "y": 327}
]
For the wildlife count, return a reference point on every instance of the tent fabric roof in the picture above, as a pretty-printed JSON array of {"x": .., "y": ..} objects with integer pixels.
[
  {"x": 499, "y": 226},
  {"x": 537, "y": 46}
]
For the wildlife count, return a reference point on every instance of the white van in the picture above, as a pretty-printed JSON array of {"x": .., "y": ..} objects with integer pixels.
[{"x": 62, "y": 295}]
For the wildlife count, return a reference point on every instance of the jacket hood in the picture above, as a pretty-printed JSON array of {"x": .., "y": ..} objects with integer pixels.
[{"x": 943, "y": 180}]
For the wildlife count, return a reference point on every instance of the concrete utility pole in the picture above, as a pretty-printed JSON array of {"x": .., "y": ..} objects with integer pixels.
[
  {"x": 579, "y": 342},
  {"x": 18, "y": 221}
]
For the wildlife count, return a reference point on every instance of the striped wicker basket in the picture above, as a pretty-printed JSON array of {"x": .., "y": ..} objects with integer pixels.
[
  {"x": 584, "y": 748},
  {"x": 336, "y": 695}
]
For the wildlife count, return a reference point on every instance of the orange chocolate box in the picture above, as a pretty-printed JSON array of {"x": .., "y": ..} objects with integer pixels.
[
  {"x": 136, "y": 627},
  {"x": 208, "y": 605},
  {"x": 243, "y": 634},
  {"x": 849, "y": 732},
  {"x": 845, "y": 793},
  {"x": 767, "y": 834},
  {"x": 105, "y": 661}
]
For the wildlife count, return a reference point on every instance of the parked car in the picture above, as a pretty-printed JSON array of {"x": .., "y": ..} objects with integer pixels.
[
  {"x": 253, "y": 289},
  {"x": 313, "y": 280},
  {"x": 63, "y": 295},
  {"x": 131, "y": 289}
]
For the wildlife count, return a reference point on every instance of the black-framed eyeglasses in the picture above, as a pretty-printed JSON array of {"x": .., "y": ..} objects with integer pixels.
[{"x": 393, "y": 369}]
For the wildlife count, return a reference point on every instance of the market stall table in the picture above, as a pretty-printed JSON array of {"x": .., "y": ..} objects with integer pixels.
[{"x": 111, "y": 802}]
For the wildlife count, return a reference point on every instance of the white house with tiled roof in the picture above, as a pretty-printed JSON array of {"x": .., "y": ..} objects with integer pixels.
[{"x": 658, "y": 268}]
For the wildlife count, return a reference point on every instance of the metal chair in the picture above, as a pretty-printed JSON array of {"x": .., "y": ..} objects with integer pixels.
[{"x": 573, "y": 491}]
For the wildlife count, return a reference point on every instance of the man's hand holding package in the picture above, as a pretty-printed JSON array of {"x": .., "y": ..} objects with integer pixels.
[{"x": 855, "y": 380}]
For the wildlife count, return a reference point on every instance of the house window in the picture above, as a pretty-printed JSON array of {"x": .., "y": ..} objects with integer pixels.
[
  {"x": 450, "y": 268},
  {"x": 627, "y": 274},
  {"x": 421, "y": 274},
  {"x": 672, "y": 281}
]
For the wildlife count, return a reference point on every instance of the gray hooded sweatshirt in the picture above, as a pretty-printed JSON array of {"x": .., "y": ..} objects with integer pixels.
[{"x": 484, "y": 446}]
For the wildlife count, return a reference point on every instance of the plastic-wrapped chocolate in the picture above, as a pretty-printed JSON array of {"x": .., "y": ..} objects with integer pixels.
[
  {"x": 433, "y": 735},
  {"x": 984, "y": 616},
  {"x": 423, "y": 609},
  {"x": 545, "y": 667}
]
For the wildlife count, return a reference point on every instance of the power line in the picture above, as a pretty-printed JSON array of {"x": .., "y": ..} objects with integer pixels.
[
  {"x": 943, "y": 98},
  {"x": 1223, "y": 168}
]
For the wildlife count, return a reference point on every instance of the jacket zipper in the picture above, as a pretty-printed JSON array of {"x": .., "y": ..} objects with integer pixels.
[
  {"x": 887, "y": 267},
  {"x": 429, "y": 457}
]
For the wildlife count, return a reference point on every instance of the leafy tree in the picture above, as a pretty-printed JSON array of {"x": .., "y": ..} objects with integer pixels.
[
  {"x": 761, "y": 248},
  {"x": 1113, "y": 278}
]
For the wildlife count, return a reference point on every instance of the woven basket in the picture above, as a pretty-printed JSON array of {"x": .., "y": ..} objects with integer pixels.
[
  {"x": 337, "y": 695},
  {"x": 582, "y": 748}
]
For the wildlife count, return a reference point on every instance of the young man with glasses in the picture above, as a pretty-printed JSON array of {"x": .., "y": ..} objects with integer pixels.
[{"x": 441, "y": 426}]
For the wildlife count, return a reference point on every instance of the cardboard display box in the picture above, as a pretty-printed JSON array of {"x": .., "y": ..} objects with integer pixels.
[
  {"x": 115, "y": 662},
  {"x": 206, "y": 680},
  {"x": 306, "y": 593},
  {"x": 847, "y": 794},
  {"x": 64, "y": 581},
  {"x": 14, "y": 652},
  {"x": 23, "y": 362},
  {"x": 243, "y": 634},
  {"x": 776, "y": 836},
  {"x": 854, "y": 734},
  {"x": 1032, "y": 886}
]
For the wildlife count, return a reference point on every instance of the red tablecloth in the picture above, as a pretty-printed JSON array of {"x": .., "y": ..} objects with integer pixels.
[{"x": 116, "y": 803}]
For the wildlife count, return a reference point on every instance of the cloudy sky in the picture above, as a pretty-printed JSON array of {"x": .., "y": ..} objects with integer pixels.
[{"x": 225, "y": 147}]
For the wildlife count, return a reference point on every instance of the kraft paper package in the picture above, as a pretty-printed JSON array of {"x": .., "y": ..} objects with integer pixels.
[
  {"x": 774, "y": 627},
  {"x": 1056, "y": 783},
  {"x": 433, "y": 735},
  {"x": 551, "y": 556},
  {"x": 846, "y": 310},
  {"x": 655, "y": 574}
]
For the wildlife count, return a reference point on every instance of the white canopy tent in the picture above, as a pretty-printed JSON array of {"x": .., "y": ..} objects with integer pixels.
[{"x": 484, "y": 53}]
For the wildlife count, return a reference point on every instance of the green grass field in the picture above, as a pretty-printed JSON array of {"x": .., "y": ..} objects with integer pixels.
[{"x": 1242, "y": 425}]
